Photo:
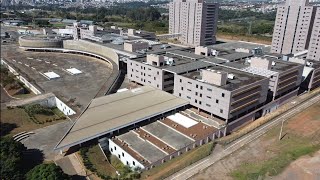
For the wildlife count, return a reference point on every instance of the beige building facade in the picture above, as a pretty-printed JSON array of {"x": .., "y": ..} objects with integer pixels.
[
  {"x": 195, "y": 20},
  {"x": 293, "y": 27}
]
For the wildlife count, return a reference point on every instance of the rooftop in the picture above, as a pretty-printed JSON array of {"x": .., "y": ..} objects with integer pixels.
[
  {"x": 278, "y": 65},
  {"x": 179, "y": 62},
  {"x": 143, "y": 147},
  {"x": 235, "y": 56},
  {"x": 77, "y": 89},
  {"x": 241, "y": 44},
  {"x": 241, "y": 78},
  {"x": 171, "y": 137},
  {"x": 115, "y": 42},
  {"x": 123, "y": 109}
]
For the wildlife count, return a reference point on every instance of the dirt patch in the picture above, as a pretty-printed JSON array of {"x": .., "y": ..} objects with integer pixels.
[
  {"x": 306, "y": 123},
  {"x": 301, "y": 131},
  {"x": 253, "y": 39},
  {"x": 306, "y": 167},
  {"x": 20, "y": 120}
]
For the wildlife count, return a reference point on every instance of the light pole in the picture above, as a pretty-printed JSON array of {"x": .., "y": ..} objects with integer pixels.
[{"x": 118, "y": 174}]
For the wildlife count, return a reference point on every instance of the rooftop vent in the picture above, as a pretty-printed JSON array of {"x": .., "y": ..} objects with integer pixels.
[
  {"x": 231, "y": 76},
  {"x": 309, "y": 64}
]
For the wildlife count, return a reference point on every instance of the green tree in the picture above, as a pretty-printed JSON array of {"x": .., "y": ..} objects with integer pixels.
[
  {"x": 11, "y": 155},
  {"x": 48, "y": 172}
]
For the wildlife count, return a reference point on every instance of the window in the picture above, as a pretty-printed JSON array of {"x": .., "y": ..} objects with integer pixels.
[
  {"x": 201, "y": 87},
  {"x": 111, "y": 149},
  {"x": 209, "y": 89},
  {"x": 115, "y": 148},
  {"x": 196, "y": 93},
  {"x": 188, "y": 97},
  {"x": 200, "y": 95},
  {"x": 181, "y": 80},
  {"x": 134, "y": 163},
  {"x": 179, "y": 94},
  {"x": 182, "y": 88},
  {"x": 222, "y": 94},
  {"x": 122, "y": 154},
  {"x": 197, "y": 86},
  {"x": 200, "y": 102},
  {"x": 158, "y": 72},
  {"x": 208, "y": 105},
  {"x": 119, "y": 156},
  {"x": 208, "y": 97},
  {"x": 221, "y": 111},
  {"x": 217, "y": 101},
  {"x": 127, "y": 163},
  {"x": 189, "y": 82},
  {"x": 195, "y": 101}
]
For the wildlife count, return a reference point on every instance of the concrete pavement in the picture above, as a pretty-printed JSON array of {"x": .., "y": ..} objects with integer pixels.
[{"x": 216, "y": 156}]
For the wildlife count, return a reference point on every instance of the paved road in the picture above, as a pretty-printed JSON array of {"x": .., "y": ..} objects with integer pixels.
[
  {"x": 4, "y": 98},
  {"x": 70, "y": 165},
  {"x": 203, "y": 164},
  {"x": 46, "y": 138}
]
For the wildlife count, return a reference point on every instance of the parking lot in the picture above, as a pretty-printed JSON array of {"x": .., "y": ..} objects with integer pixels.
[{"x": 75, "y": 89}]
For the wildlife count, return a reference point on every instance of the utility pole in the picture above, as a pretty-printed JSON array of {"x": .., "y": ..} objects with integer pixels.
[
  {"x": 250, "y": 28},
  {"x": 280, "y": 135}
]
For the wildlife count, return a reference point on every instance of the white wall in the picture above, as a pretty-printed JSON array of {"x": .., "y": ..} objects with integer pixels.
[
  {"x": 22, "y": 79},
  {"x": 29, "y": 85},
  {"x": 124, "y": 156},
  {"x": 64, "y": 108}
]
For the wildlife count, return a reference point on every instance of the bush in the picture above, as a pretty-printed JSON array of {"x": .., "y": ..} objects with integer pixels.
[
  {"x": 38, "y": 109},
  {"x": 47, "y": 171}
]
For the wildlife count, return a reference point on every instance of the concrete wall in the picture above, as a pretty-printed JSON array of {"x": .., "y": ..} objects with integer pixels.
[
  {"x": 123, "y": 156},
  {"x": 218, "y": 101},
  {"x": 145, "y": 74},
  {"x": 64, "y": 108},
  {"x": 135, "y": 46},
  {"x": 39, "y": 43},
  {"x": 205, "y": 96},
  {"x": 289, "y": 80},
  {"x": 87, "y": 46}
]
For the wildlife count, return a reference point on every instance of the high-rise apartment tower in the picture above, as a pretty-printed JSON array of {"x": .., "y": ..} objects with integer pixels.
[
  {"x": 195, "y": 20},
  {"x": 293, "y": 26},
  {"x": 314, "y": 46}
]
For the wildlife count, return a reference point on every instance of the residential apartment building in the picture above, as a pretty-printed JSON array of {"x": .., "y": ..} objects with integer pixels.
[
  {"x": 195, "y": 20},
  {"x": 314, "y": 46},
  {"x": 293, "y": 27}
]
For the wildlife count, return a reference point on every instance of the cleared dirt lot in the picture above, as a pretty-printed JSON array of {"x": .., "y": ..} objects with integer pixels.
[{"x": 300, "y": 132}]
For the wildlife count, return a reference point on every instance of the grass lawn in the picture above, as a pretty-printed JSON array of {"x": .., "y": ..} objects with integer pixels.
[
  {"x": 58, "y": 25},
  {"x": 100, "y": 163},
  {"x": 20, "y": 120},
  {"x": 178, "y": 163},
  {"x": 300, "y": 137}
]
